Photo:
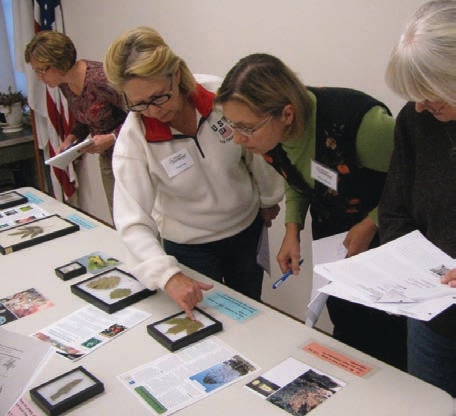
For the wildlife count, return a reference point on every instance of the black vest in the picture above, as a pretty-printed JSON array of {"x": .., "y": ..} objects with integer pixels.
[{"x": 339, "y": 114}]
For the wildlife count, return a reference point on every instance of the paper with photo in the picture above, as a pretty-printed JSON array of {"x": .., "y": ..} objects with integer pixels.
[
  {"x": 20, "y": 214},
  {"x": 295, "y": 387},
  {"x": 21, "y": 304},
  {"x": 176, "y": 380},
  {"x": 98, "y": 262},
  {"x": 87, "y": 329}
]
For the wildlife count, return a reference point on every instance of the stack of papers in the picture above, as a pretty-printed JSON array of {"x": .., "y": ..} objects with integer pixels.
[
  {"x": 401, "y": 277},
  {"x": 21, "y": 358}
]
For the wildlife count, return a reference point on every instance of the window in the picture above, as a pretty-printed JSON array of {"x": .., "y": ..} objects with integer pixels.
[{"x": 8, "y": 73}]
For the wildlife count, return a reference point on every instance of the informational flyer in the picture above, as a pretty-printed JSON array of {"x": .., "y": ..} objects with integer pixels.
[
  {"x": 20, "y": 214},
  {"x": 295, "y": 387},
  {"x": 87, "y": 329},
  {"x": 179, "y": 379}
]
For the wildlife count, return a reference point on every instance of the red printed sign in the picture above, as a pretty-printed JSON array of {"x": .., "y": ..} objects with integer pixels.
[{"x": 340, "y": 360}]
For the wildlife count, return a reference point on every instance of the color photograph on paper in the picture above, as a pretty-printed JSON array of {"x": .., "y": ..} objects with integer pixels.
[
  {"x": 67, "y": 351},
  {"x": 21, "y": 214},
  {"x": 221, "y": 374},
  {"x": 98, "y": 262},
  {"x": 304, "y": 393},
  {"x": 295, "y": 387},
  {"x": 21, "y": 304},
  {"x": 263, "y": 386},
  {"x": 113, "y": 330}
]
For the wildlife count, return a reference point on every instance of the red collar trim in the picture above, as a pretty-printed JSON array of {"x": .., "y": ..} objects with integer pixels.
[{"x": 157, "y": 131}]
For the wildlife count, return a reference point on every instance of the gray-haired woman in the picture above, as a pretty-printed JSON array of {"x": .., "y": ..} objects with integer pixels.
[{"x": 421, "y": 185}]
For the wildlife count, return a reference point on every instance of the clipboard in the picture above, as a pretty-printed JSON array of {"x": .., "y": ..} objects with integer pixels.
[{"x": 62, "y": 160}]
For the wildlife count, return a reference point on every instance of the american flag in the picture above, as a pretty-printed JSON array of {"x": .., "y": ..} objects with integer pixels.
[
  {"x": 52, "y": 118},
  {"x": 48, "y": 16}
]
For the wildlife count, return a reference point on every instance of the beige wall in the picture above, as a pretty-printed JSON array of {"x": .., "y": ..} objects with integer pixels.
[{"x": 327, "y": 42}]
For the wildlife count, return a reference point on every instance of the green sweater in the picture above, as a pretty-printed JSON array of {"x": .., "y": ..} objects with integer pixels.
[{"x": 374, "y": 146}]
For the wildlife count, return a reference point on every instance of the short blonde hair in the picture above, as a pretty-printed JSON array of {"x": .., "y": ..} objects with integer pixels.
[
  {"x": 266, "y": 85},
  {"x": 142, "y": 53},
  {"x": 52, "y": 49},
  {"x": 422, "y": 66}
]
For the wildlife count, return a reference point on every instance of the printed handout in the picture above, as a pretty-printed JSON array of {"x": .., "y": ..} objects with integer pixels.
[
  {"x": 87, "y": 329},
  {"x": 401, "y": 277},
  {"x": 20, "y": 214},
  {"x": 176, "y": 380},
  {"x": 21, "y": 357}
]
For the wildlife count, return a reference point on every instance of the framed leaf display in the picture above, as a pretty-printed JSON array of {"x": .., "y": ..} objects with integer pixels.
[
  {"x": 178, "y": 330},
  {"x": 111, "y": 290},
  {"x": 66, "y": 391},
  {"x": 11, "y": 199},
  {"x": 35, "y": 232}
]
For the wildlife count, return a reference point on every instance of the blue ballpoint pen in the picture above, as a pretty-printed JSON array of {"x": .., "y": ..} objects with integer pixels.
[{"x": 284, "y": 277}]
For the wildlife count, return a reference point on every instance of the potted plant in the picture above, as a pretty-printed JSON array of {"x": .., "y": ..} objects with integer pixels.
[{"x": 11, "y": 105}]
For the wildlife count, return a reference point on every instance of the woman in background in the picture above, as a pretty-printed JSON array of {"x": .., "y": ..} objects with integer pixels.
[
  {"x": 421, "y": 185},
  {"x": 98, "y": 109},
  {"x": 179, "y": 176},
  {"x": 333, "y": 146}
]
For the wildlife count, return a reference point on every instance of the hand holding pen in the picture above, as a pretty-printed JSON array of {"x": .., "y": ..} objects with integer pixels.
[{"x": 284, "y": 277}]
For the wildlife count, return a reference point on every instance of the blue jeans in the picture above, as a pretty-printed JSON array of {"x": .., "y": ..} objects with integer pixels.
[
  {"x": 231, "y": 261},
  {"x": 431, "y": 357}
]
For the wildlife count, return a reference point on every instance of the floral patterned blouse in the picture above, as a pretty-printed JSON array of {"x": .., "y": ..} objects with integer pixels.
[{"x": 100, "y": 109}]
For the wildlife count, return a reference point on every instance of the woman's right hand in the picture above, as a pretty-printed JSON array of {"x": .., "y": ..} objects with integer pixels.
[
  {"x": 186, "y": 292},
  {"x": 290, "y": 251}
]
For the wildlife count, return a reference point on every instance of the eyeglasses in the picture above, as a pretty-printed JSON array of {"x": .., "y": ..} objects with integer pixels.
[
  {"x": 247, "y": 131},
  {"x": 40, "y": 72},
  {"x": 157, "y": 101}
]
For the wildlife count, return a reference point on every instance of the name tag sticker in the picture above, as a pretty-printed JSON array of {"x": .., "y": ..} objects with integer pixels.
[
  {"x": 177, "y": 163},
  {"x": 323, "y": 175}
]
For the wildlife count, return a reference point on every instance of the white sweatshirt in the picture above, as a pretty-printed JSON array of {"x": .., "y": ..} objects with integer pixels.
[{"x": 189, "y": 190}]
